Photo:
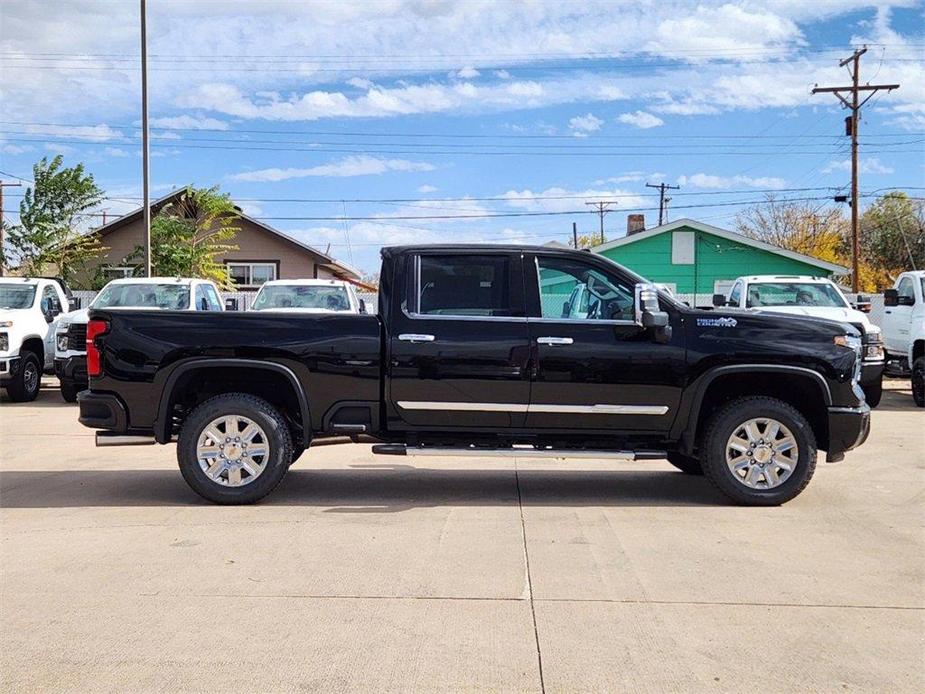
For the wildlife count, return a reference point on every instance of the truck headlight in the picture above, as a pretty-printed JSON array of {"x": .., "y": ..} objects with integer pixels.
[
  {"x": 874, "y": 347},
  {"x": 849, "y": 341},
  {"x": 4, "y": 342},
  {"x": 62, "y": 342}
]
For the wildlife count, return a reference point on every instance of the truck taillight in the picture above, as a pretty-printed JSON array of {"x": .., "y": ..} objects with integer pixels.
[{"x": 94, "y": 328}]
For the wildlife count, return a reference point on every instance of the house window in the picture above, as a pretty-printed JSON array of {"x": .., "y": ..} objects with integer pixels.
[
  {"x": 118, "y": 272},
  {"x": 251, "y": 274},
  {"x": 682, "y": 247}
]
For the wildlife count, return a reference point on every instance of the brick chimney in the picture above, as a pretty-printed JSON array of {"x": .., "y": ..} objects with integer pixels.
[{"x": 635, "y": 223}]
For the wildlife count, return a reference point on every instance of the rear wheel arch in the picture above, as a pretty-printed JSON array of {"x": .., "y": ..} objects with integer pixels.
[
  {"x": 193, "y": 382},
  {"x": 803, "y": 388}
]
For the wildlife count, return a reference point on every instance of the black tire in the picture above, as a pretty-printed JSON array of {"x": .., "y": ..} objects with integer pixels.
[
  {"x": 24, "y": 386},
  {"x": 278, "y": 438},
  {"x": 873, "y": 392},
  {"x": 685, "y": 463},
  {"x": 731, "y": 417},
  {"x": 918, "y": 381},
  {"x": 69, "y": 391}
]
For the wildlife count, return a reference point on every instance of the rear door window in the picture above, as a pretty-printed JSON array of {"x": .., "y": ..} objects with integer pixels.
[{"x": 482, "y": 286}]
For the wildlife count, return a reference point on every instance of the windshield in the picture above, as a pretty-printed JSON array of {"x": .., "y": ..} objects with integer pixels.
[
  {"x": 329, "y": 298},
  {"x": 794, "y": 294},
  {"x": 16, "y": 295},
  {"x": 165, "y": 296}
]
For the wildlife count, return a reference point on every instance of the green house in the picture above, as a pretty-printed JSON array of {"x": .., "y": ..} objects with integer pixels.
[{"x": 696, "y": 260}]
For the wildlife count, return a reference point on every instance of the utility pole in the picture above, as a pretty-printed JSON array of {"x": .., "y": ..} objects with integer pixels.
[
  {"x": 602, "y": 208},
  {"x": 146, "y": 199},
  {"x": 854, "y": 104},
  {"x": 662, "y": 200},
  {"x": 575, "y": 235},
  {"x": 2, "y": 252}
]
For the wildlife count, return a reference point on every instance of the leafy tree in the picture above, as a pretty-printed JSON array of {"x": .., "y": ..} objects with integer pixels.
[
  {"x": 802, "y": 227},
  {"x": 188, "y": 234},
  {"x": 893, "y": 234},
  {"x": 49, "y": 236}
]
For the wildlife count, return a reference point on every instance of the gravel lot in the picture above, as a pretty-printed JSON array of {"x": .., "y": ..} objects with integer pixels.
[{"x": 363, "y": 573}]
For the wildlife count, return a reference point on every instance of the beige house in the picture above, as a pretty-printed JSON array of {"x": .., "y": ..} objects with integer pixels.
[{"x": 263, "y": 252}]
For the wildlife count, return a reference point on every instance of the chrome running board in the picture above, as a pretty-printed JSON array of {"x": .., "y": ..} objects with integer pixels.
[{"x": 516, "y": 452}]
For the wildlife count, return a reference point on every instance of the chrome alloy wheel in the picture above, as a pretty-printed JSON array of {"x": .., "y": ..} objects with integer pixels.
[
  {"x": 233, "y": 450},
  {"x": 762, "y": 453}
]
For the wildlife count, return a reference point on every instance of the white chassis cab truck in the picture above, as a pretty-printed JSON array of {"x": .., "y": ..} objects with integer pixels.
[
  {"x": 904, "y": 327},
  {"x": 308, "y": 296},
  {"x": 153, "y": 293},
  {"x": 819, "y": 297},
  {"x": 30, "y": 309}
]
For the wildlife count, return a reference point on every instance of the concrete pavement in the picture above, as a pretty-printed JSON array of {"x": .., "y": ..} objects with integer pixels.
[{"x": 360, "y": 574}]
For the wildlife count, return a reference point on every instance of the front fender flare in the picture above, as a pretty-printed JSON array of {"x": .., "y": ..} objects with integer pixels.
[{"x": 685, "y": 429}]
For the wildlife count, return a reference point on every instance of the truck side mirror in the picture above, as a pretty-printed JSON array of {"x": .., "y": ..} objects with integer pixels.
[
  {"x": 648, "y": 312},
  {"x": 891, "y": 297},
  {"x": 862, "y": 303},
  {"x": 73, "y": 303},
  {"x": 719, "y": 300},
  {"x": 231, "y": 304},
  {"x": 363, "y": 306}
]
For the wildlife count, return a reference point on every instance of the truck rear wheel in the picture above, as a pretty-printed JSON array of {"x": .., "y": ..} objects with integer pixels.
[
  {"x": 69, "y": 391},
  {"x": 918, "y": 382},
  {"x": 24, "y": 386},
  {"x": 759, "y": 451},
  {"x": 234, "y": 449}
]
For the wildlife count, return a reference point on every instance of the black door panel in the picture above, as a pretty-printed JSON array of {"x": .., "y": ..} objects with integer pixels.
[{"x": 459, "y": 353}]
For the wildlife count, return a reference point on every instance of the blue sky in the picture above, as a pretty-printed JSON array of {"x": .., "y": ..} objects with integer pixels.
[{"x": 394, "y": 114}]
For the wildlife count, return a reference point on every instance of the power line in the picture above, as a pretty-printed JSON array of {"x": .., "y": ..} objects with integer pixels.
[
  {"x": 181, "y": 144},
  {"x": 506, "y": 136}
]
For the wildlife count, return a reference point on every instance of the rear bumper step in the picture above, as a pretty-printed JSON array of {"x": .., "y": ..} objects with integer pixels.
[{"x": 516, "y": 452}]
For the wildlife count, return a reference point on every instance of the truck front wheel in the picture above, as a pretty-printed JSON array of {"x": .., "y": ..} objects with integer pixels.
[
  {"x": 234, "y": 449},
  {"x": 759, "y": 451},
  {"x": 873, "y": 392},
  {"x": 918, "y": 382},
  {"x": 24, "y": 386}
]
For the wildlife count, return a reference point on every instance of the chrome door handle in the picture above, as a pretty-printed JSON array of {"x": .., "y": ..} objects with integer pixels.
[
  {"x": 554, "y": 340},
  {"x": 415, "y": 337}
]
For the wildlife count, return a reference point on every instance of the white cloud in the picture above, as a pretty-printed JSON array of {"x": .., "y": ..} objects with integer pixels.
[
  {"x": 427, "y": 189},
  {"x": 90, "y": 133},
  {"x": 468, "y": 73},
  {"x": 582, "y": 125},
  {"x": 15, "y": 149},
  {"x": 187, "y": 122},
  {"x": 557, "y": 199},
  {"x": 629, "y": 177},
  {"x": 361, "y": 165},
  {"x": 59, "y": 148},
  {"x": 116, "y": 152},
  {"x": 251, "y": 209},
  {"x": 502, "y": 74},
  {"x": 640, "y": 119},
  {"x": 871, "y": 165},
  {"x": 702, "y": 180}
]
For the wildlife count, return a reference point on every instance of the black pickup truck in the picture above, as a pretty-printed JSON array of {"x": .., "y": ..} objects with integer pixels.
[{"x": 484, "y": 350}]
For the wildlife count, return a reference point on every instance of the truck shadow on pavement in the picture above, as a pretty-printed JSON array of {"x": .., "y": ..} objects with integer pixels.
[{"x": 386, "y": 489}]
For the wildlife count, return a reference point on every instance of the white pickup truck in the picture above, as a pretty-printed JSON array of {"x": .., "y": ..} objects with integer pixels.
[
  {"x": 308, "y": 296},
  {"x": 153, "y": 293},
  {"x": 818, "y": 297},
  {"x": 904, "y": 327},
  {"x": 30, "y": 308}
]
